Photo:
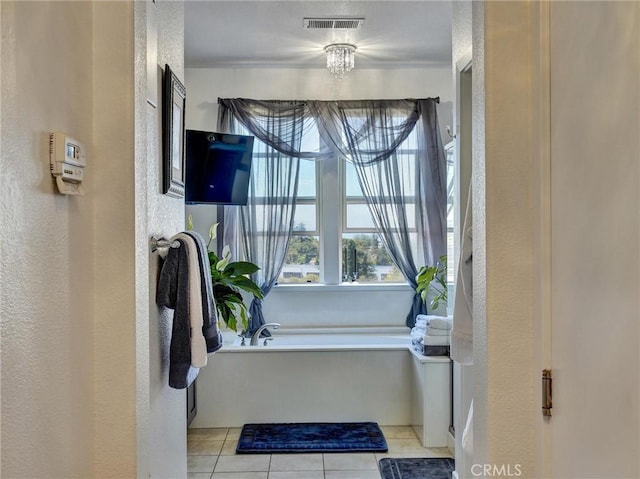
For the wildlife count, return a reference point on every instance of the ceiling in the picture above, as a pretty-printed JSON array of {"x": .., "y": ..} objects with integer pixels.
[{"x": 271, "y": 34}]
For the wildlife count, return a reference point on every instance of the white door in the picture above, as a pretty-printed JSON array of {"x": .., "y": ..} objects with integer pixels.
[{"x": 595, "y": 262}]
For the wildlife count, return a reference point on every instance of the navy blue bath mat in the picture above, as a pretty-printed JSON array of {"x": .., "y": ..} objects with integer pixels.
[
  {"x": 311, "y": 437},
  {"x": 418, "y": 468}
]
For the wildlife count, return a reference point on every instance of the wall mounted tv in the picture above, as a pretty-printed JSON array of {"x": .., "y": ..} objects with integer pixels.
[{"x": 218, "y": 166}]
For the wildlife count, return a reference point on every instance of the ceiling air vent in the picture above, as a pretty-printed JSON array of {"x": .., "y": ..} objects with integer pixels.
[{"x": 333, "y": 23}]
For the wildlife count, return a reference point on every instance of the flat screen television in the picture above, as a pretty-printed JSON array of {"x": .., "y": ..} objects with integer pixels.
[{"x": 218, "y": 167}]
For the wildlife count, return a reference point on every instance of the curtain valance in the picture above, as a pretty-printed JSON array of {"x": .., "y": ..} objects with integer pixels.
[{"x": 345, "y": 126}]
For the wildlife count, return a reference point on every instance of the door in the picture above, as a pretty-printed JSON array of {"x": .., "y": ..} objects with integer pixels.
[{"x": 594, "y": 244}]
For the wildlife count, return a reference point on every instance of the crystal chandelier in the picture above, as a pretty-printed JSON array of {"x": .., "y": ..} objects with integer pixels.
[{"x": 340, "y": 58}]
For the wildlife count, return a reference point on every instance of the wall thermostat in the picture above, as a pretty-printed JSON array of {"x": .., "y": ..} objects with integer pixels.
[{"x": 67, "y": 159}]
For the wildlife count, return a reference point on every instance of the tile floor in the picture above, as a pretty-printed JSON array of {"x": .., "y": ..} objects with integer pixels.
[{"x": 212, "y": 456}]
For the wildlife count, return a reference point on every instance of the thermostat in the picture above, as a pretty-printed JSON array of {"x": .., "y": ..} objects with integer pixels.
[{"x": 67, "y": 159}]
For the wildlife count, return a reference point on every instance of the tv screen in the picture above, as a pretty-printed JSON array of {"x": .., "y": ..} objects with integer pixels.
[{"x": 218, "y": 166}]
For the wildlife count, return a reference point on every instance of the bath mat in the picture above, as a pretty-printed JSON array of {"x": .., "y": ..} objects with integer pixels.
[
  {"x": 311, "y": 437},
  {"x": 418, "y": 468}
]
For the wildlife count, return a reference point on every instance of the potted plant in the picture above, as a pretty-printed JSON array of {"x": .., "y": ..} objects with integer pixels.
[
  {"x": 433, "y": 279},
  {"x": 228, "y": 279}
]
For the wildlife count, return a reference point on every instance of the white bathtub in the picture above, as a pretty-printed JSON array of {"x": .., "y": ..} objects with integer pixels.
[
  {"x": 305, "y": 341},
  {"x": 325, "y": 376}
]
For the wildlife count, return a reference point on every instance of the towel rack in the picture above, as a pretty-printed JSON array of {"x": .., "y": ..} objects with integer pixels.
[{"x": 162, "y": 243}]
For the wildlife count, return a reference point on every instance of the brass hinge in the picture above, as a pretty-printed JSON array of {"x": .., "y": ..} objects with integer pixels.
[{"x": 546, "y": 392}]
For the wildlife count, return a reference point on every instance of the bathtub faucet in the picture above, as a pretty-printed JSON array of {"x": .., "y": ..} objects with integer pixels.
[{"x": 256, "y": 335}]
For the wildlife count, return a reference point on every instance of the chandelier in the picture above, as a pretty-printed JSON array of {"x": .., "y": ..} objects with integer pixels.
[{"x": 340, "y": 58}]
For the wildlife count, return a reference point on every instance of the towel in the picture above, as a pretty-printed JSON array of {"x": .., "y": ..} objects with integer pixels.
[
  {"x": 437, "y": 332},
  {"x": 462, "y": 332},
  {"x": 198, "y": 344},
  {"x": 173, "y": 293},
  {"x": 210, "y": 325},
  {"x": 435, "y": 322},
  {"x": 429, "y": 340}
]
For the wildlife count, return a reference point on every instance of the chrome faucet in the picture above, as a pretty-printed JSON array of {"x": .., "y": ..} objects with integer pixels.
[{"x": 256, "y": 335}]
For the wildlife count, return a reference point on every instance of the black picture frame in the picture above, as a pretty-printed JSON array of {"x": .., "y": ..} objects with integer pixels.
[{"x": 174, "y": 96}]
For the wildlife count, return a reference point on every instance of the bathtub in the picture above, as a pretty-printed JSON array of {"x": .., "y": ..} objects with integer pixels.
[
  {"x": 351, "y": 339},
  {"x": 322, "y": 375}
]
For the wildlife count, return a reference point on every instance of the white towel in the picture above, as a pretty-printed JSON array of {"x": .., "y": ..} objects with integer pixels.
[
  {"x": 462, "y": 333},
  {"x": 198, "y": 344},
  {"x": 437, "y": 332},
  {"x": 429, "y": 340},
  {"x": 434, "y": 322}
]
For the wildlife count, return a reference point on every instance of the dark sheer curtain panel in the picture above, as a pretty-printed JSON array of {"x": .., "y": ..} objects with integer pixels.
[{"x": 410, "y": 215}]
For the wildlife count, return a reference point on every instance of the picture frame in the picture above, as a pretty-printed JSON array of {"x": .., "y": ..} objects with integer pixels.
[{"x": 173, "y": 134}]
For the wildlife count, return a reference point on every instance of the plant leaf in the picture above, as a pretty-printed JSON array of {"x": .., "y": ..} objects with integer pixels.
[
  {"x": 222, "y": 264},
  {"x": 247, "y": 285},
  {"x": 213, "y": 231},
  {"x": 221, "y": 291},
  {"x": 226, "y": 314},
  {"x": 244, "y": 318},
  {"x": 241, "y": 268}
]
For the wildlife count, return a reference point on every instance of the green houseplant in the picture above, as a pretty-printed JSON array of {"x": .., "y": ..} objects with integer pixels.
[
  {"x": 433, "y": 279},
  {"x": 229, "y": 278}
]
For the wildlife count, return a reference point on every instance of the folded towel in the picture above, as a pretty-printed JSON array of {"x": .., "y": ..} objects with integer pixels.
[
  {"x": 435, "y": 322},
  {"x": 428, "y": 340},
  {"x": 437, "y": 332},
  {"x": 198, "y": 344}
]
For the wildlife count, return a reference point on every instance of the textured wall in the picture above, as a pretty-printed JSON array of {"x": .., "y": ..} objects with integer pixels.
[
  {"x": 164, "y": 217},
  {"x": 114, "y": 216},
  {"x": 46, "y": 241},
  {"x": 84, "y": 353},
  {"x": 505, "y": 395}
]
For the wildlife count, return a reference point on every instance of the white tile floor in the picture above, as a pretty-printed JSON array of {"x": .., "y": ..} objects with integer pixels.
[{"x": 212, "y": 456}]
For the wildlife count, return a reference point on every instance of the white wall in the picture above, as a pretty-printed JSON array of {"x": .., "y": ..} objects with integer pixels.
[
  {"x": 46, "y": 243},
  {"x": 113, "y": 244},
  {"x": 506, "y": 388},
  {"x": 204, "y": 87},
  {"x": 164, "y": 217},
  {"x": 502, "y": 379},
  {"x": 84, "y": 360}
]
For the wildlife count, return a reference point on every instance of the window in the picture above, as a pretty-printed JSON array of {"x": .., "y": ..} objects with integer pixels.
[
  {"x": 302, "y": 263},
  {"x": 365, "y": 257},
  {"x": 335, "y": 239}
]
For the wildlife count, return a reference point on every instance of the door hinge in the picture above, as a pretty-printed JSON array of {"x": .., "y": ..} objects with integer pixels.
[{"x": 547, "y": 392}]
